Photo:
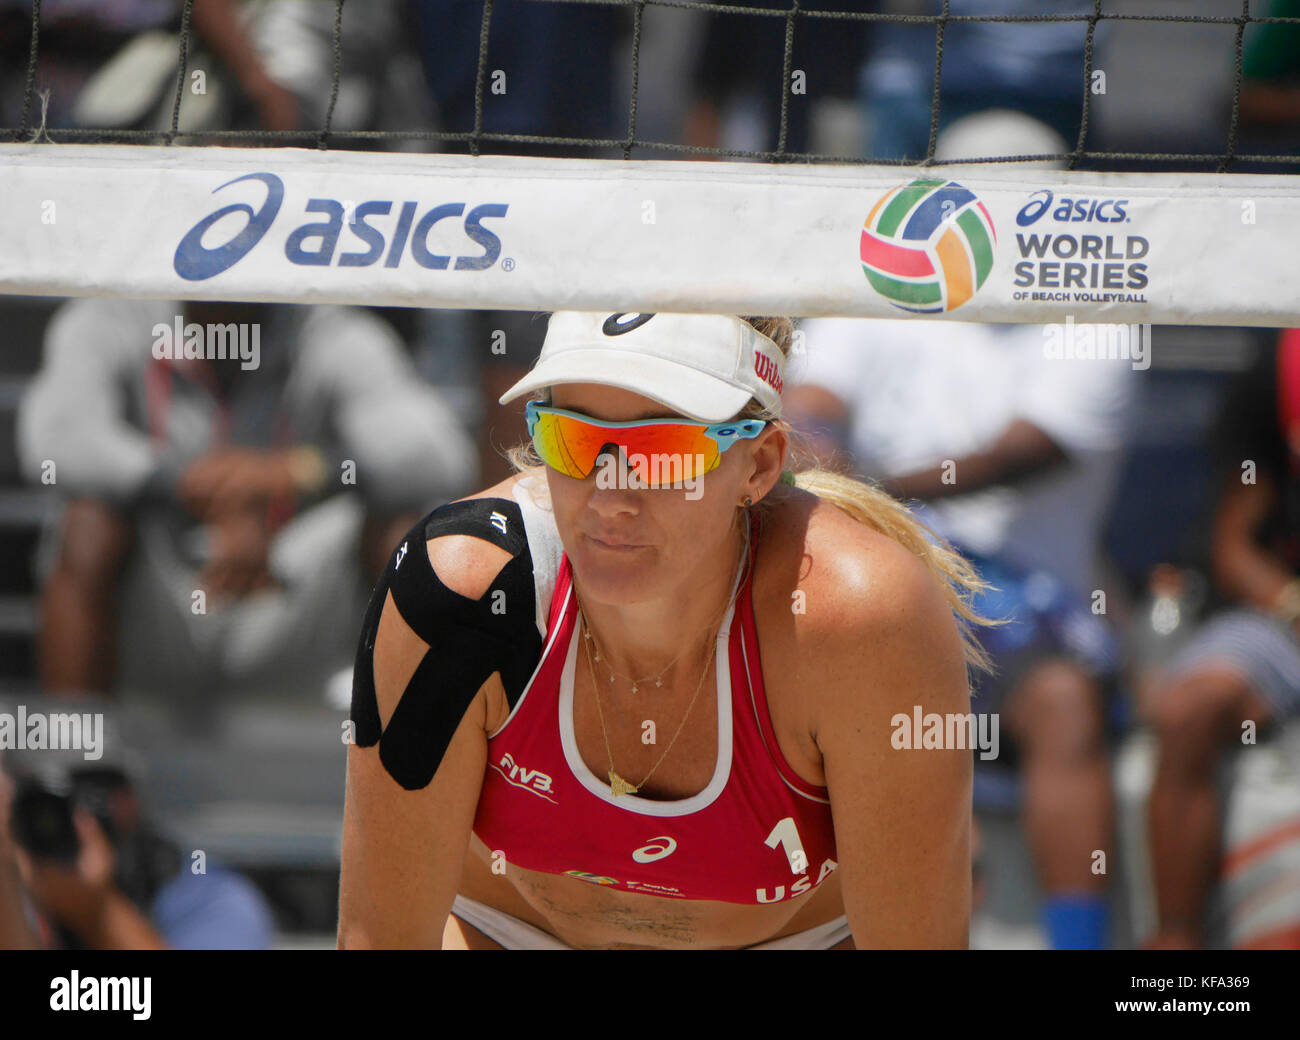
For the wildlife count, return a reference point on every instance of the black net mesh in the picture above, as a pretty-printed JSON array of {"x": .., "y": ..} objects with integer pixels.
[{"x": 794, "y": 32}]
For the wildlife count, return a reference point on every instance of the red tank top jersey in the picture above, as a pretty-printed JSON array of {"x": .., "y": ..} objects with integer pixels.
[{"x": 758, "y": 833}]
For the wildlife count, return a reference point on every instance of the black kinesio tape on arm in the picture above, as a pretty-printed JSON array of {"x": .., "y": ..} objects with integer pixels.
[{"x": 468, "y": 639}]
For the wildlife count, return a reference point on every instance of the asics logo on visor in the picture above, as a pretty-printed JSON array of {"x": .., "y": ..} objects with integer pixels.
[{"x": 614, "y": 327}]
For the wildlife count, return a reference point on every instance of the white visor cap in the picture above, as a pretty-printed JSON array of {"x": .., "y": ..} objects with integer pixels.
[{"x": 703, "y": 366}]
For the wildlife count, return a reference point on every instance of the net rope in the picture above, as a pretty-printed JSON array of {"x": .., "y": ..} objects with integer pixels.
[{"x": 793, "y": 16}]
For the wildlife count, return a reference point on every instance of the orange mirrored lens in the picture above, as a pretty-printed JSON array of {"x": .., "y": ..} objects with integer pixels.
[{"x": 658, "y": 453}]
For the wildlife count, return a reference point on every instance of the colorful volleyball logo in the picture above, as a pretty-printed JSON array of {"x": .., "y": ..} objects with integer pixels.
[{"x": 928, "y": 246}]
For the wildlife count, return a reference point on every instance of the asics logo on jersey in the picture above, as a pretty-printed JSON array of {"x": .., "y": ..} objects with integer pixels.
[
  {"x": 401, "y": 555},
  {"x": 532, "y": 780},
  {"x": 653, "y": 851},
  {"x": 614, "y": 327},
  {"x": 498, "y": 521}
]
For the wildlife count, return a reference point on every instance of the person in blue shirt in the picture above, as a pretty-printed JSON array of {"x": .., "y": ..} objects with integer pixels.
[
  {"x": 126, "y": 887},
  {"x": 1030, "y": 67}
]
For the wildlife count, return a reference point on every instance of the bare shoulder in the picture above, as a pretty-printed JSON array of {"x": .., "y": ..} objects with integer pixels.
[
  {"x": 465, "y": 564},
  {"x": 850, "y": 607},
  {"x": 876, "y": 639},
  {"x": 853, "y": 577}
]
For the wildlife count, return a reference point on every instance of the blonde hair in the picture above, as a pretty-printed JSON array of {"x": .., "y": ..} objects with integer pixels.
[{"x": 862, "y": 500}]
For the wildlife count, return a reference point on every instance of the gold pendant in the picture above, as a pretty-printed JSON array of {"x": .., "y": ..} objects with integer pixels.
[{"x": 620, "y": 786}]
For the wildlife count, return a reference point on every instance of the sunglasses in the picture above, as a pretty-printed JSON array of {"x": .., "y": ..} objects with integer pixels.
[{"x": 658, "y": 451}]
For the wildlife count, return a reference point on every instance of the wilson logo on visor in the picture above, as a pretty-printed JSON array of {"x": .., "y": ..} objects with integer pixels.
[{"x": 767, "y": 371}]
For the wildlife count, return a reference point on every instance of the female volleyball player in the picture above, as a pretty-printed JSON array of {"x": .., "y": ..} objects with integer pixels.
[{"x": 657, "y": 691}]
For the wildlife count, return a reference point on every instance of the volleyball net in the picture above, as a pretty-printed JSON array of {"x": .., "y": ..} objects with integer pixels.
[
  {"x": 1026, "y": 161},
  {"x": 322, "y": 215}
]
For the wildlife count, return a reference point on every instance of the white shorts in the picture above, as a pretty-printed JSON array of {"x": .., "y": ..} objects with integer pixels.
[
  {"x": 515, "y": 934},
  {"x": 1264, "y": 650}
]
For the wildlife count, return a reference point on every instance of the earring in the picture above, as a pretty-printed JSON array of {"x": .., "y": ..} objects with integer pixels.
[{"x": 748, "y": 501}]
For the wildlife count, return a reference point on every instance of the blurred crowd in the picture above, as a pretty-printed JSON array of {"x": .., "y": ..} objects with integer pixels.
[{"x": 207, "y": 530}]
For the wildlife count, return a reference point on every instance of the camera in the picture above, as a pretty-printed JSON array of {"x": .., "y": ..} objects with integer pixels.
[{"x": 42, "y": 810}]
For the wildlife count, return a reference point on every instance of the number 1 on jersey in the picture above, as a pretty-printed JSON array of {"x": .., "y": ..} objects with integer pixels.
[{"x": 786, "y": 834}]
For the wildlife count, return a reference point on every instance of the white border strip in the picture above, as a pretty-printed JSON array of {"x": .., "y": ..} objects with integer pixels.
[{"x": 544, "y": 234}]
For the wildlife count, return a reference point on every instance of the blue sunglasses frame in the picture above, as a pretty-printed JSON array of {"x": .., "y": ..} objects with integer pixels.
[{"x": 724, "y": 434}]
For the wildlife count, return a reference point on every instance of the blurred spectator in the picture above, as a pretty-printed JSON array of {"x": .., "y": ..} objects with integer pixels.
[
  {"x": 231, "y": 506},
  {"x": 294, "y": 41},
  {"x": 1270, "y": 91},
  {"x": 480, "y": 354},
  {"x": 122, "y": 54},
  {"x": 549, "y": 72},
  {"x": 76, "y": 38},
  {"x": 1009, "y": 131},
  {"x": 80, "y": 868},
  {"x": 1244, "y": 664},
  {"x": 743, "y": 59},
  {"x": 18, "y": 922},
  {"x": 1035, "y": 68},
  {"x": 224, "y": 26},
  {"x": 1014, "y": 455}
]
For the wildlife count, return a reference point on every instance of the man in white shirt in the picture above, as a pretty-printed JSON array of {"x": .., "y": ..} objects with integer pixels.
[
  {"x": 224, "y": 449},
  {"x": 1014, "y": 451}
]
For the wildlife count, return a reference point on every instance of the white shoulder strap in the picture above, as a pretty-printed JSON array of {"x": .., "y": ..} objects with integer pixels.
[{"x": 544, "y": 543}]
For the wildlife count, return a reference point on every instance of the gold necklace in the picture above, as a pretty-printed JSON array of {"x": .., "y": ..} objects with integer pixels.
[
  {"x": 590, "y": 636},
  {"x": 619, "y": 786}
]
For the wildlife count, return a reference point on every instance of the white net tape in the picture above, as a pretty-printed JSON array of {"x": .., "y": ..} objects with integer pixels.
[{"x": 993, "y": 243}]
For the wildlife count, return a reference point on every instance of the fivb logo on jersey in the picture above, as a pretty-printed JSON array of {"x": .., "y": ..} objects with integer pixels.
[
  {"x": 381, "y": 230},
  {"x": 534, "y": 781}
]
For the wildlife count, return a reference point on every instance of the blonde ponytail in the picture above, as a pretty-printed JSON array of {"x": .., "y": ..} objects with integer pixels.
[{"x": 877, "y": 509}]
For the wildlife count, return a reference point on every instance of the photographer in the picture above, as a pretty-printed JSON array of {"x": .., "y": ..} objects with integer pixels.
[
  {"x": 81, "y": 869},
  {"x": 17, "y": 927}
]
